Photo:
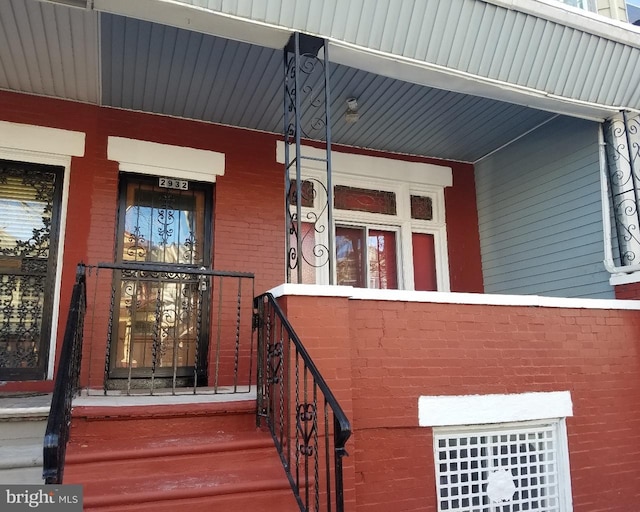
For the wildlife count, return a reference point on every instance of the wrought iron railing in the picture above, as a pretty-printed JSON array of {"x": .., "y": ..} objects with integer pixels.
[
  {"x": 308, "y": 425},
  {"x": 173, "y": 328},
  {"x": 66, "y": 385}
]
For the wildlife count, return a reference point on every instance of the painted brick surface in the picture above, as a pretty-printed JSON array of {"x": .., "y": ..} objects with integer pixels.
[
  {"x": 628, "y": 291},
  {"x": 400, "y": 351},
  {"x": 248, "y": 210}
]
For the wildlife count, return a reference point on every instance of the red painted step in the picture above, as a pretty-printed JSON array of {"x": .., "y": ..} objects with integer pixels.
[{"x": 164, "y": 458}]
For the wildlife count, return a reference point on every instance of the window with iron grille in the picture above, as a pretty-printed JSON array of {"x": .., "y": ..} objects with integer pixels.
[{"x": 502, "y": 468}]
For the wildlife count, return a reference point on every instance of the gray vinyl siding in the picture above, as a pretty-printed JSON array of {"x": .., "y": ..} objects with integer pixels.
[{"x": 539, "y": 209}]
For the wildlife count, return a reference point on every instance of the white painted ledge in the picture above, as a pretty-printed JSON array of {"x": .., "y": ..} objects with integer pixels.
[
  {"x": 452, "y": 297},
  {"x": 619, "y": 279},
  {"x": 441, "y": 411},
  {"x": 165, "y": 160}
]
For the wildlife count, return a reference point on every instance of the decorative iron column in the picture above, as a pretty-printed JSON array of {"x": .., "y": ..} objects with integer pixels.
[
  {"x": 622, "y": 136},
  {"x": 307, "y": 102}
]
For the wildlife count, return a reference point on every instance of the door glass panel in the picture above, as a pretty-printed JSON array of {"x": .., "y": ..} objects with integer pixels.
[
  {"x": 159, "y": 309},
  {"x": 350, "y": 256},
  {"x": 163, "y": 225},
  {"x": 29, "y": 197},
  {"x": 383, "y": 268}
]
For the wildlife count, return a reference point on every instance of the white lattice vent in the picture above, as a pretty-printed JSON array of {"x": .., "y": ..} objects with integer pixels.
[{"x": 500, "y": 469}]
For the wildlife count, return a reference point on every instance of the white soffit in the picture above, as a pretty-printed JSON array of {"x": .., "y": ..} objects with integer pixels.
[
  {"x": 40, "y": 139},
  {"x": 547, "y": 57},
  {"x": 449, "y": 79},
  {"x": 440, "y": 411},
  {"x": 49, "y": 49},
  {"x": 372, "y": 166},
  {"x": 165, "y": 160}
]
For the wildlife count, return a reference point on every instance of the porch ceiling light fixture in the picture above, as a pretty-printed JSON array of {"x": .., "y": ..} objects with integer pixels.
[
  {"x": 80, "y": 4},
  {"x": 352, "y": 115}
]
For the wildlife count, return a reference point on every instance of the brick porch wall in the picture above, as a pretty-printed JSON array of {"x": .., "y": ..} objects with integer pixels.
[{"x": 397, "y": 351}]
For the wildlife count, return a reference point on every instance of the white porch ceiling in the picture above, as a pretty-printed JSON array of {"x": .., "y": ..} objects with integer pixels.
[{"x": 124, "y": 62}]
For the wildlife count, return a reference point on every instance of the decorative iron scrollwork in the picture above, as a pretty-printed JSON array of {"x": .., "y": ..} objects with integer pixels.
[
  {"x": 25, "y": 249},
  {"x": 306, "y": 115},
  {"x": 306, "y": 427},
  {"x": 623, "y": 158},
  {"x": 314, "y": 254},
  {"x": 274, "y": 356}
]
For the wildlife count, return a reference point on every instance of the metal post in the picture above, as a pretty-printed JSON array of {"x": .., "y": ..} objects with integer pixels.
[{"x": 300, "y": 62}]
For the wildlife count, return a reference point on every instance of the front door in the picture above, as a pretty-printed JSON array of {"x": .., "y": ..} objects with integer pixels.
[
  {"x": 30, "y": 197},
  {"x": 162, "y": 330}
]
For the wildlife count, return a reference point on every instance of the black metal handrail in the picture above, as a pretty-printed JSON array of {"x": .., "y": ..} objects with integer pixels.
[
  {"x": 66, "y": 385},
  {"x": 307, "y": 424},
  {"x": 174, "y": 327}
]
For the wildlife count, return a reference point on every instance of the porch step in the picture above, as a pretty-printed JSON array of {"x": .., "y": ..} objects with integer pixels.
[
  {"x": 165, "y": 458},
  {"x": 23, "y": 420}
]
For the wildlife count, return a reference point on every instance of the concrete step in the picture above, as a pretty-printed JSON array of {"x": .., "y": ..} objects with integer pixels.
[
  {"x": 23, "y": 420},
  {"x": 197, "y": 457}
]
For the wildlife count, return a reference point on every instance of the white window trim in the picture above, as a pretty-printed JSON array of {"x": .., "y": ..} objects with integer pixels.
[
  {"x": 48, "y": 146},
  {"x": 152, "y": 158},
  {"x": 369, "y": 172},
  {"x": 565, "y": 500},
  {"x": 473, "y": 413}
]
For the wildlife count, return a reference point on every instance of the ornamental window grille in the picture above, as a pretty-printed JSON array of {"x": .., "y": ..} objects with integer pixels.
[{"x": 495, "y": 468}]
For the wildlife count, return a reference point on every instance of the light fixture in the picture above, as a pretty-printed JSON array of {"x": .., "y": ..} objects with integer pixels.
[{"x": 352, "y": 115}]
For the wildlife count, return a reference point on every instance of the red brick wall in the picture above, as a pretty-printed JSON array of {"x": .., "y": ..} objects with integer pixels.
[
  {"x": 248, "y": 218},
  {"x": 399, "y": 351}
]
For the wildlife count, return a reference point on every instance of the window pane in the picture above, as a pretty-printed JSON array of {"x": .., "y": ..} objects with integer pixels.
[
  {"x": 421, "y": 208},
  {"x": 383, "y": 269},
  {"x": 349, "y": 256},
  {"x": 424, "y": 262},
  {"x": 364, "y": 200}
]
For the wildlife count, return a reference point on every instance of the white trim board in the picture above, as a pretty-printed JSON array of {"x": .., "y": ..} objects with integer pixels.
[
  {"x": 452, "y": 297},
  {"x": 377, "y": 167},
  {"x": 440, "y": 411},
  {"x": 156, "y": 159}
]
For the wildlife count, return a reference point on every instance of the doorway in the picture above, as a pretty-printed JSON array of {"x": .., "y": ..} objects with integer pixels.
[{"x": 161, "y": 329}]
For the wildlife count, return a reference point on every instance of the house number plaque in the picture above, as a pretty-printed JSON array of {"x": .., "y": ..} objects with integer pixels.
[{"x": 171, "y": 183}]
